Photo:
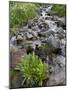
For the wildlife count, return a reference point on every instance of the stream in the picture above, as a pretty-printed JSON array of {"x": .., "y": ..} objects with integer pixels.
[{"x": 47, "y": 28}]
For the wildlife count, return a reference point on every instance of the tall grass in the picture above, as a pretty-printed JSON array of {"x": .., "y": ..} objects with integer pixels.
[{"x": 20, "y": 13}]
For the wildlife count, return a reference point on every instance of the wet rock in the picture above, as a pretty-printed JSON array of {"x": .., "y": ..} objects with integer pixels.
[
  {"x": 48, "y": 9},
  {"x": 41, "y": 19},
  {"x": 43, "y": 14},
  {"x": 36, "y": 28},
  {"x": 60, "y": 30},
  {"x": 22, "y": 34},
  {"x": 51, "y": 69},
  {"x": 63, "y": 42},
  {"x": 61, "y": 36},
  {"x": 13, "y": 40},
  {"x": 43, "y": 25},
  {"x": 52, "y": 24},
  {"x": 49, "y": 32},
  {"x": 57, "y": 76},
  {"x": 34, "y": 34},
  {"x": 61, "y": 23},
  {"x": 30, "y": 23},
  {"x": 19, "y": 37},
  {"x": 27, "y": 43},
  {"x": 55, "y": 18},
  {"x": 63, "y": 51},
  {"x": 48, "y": 17},
  {"x": 40, "y": 34},
  {"x": 29, "y": 30},
  {"x": 54, "y": 42},
  {"x": 61, "y": 60},
  {"x": 46, "y": 33},
  {"x": 36, "y": 42},
  {"x": 58, "y": 79},
  {"x": 43, "y": 40},
  {"x": 29, "y": 36}
]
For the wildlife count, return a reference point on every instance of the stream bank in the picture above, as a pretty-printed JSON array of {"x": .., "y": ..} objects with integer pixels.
[{"x": 46, "y": 29}]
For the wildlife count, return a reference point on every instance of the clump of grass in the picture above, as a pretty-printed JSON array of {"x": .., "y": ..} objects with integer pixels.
[
  {"x": 33, "y": 70},
  {"x": 20, "y": 13},
  {"x": 60, "y": 10}
]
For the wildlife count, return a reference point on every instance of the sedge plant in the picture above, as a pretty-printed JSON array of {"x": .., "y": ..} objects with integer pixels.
[{"x": 33, "y": 70}]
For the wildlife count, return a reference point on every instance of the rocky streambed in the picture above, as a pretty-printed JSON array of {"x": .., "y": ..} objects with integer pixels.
[{"x": 46, "y": 29}]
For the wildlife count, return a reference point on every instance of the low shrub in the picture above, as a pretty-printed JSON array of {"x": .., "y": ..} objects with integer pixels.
[
  {"x": 33, "y": 70},
  {"x": 60, "y": 10}
]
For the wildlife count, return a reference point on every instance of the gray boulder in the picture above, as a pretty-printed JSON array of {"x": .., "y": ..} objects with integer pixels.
[
  {"x": 34, "y": 34},
  {"x": 61, "y": 23},
  {"x": 13, "y": 40},
  {"x": 29, "y": 36},
  {"x": 46, "y": 33},
  {"x": 36, "y": 42},
  {"x": 19, "y": 37},
  {"x": 60, "y": 30},
  {"x": 35, "y": 28},
  {"x": 57, "y": 77},
  {"x": 43, "y": 25},
  {"x": 63, "y": 51},
  {"x": 53, "y": 42}
]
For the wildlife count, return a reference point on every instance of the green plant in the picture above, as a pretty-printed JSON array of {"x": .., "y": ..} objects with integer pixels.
[
  {"x": 33, "y": 70},
  {"x": 60, "y": 10},
  {"x": 20, "y": 13}
]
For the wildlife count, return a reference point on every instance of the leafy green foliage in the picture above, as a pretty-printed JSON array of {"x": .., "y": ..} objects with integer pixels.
[
  {"x": 33, "y": 70},
  {"x": 20, "y": 13},
  {"x": 59, "y": 9}
]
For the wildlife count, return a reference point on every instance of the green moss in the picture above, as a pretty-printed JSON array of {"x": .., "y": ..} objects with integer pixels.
[
  {"x": 20, "y": 13},
  {"x": 33, "y": 70},
  {"x": 60, "y": 10}
]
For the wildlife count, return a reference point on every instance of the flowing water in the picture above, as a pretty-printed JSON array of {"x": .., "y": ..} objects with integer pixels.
[{"x": 32, "y": 38}]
